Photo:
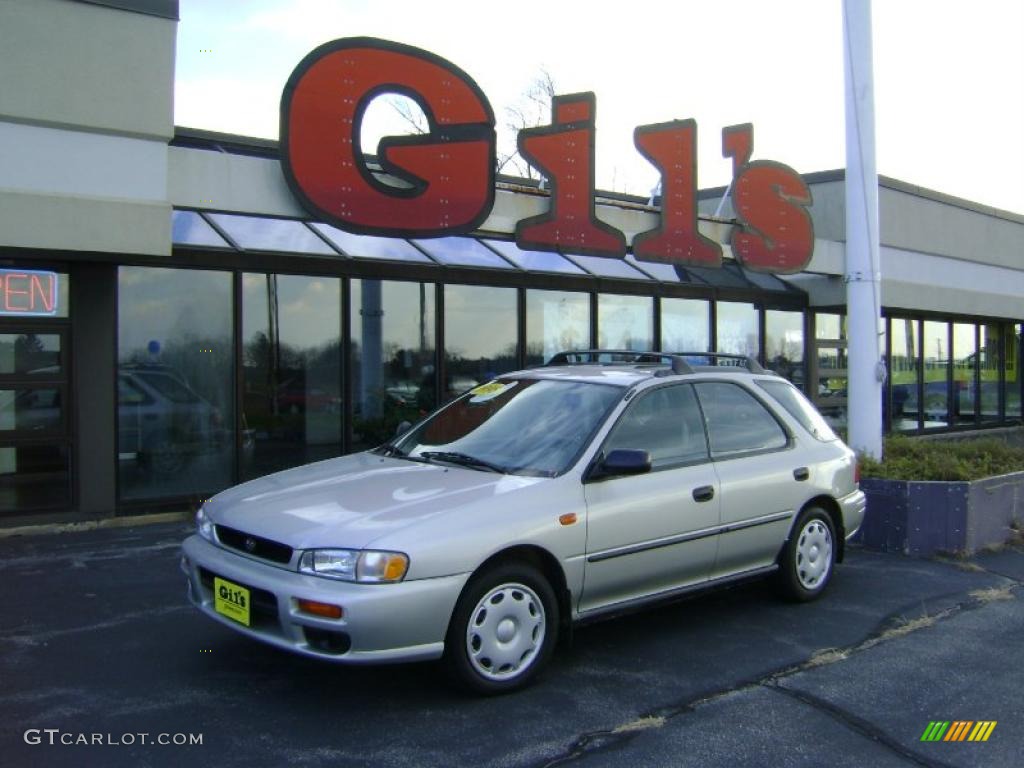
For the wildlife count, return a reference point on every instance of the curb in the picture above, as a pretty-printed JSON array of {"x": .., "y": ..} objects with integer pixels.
[{"x": 92, "y": 525}]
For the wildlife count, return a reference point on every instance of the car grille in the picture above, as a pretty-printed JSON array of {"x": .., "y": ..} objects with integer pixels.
[
  {"x": 262, "y": 606},
  {"x": 254, "y": 545}
]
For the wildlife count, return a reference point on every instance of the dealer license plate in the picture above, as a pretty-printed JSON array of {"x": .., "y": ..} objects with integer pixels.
[{"x": 231, "y": 600}]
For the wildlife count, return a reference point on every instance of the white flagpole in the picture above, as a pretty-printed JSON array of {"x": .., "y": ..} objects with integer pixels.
[{"x": 865, "y": 360}]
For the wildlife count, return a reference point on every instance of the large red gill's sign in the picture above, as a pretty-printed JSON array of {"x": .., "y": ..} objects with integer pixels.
[{"x": 450, "y": 170}]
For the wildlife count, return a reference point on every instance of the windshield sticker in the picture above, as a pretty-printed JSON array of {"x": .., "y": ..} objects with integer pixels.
[{"x": 490, "y": 390}]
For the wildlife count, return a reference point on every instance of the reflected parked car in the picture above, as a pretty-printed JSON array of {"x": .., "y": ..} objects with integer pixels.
[
  {"x": 162, "y": 422},
  {"x": 542, "y": 498}
]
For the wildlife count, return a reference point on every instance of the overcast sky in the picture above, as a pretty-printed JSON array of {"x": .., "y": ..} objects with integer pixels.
[{"x": 949, "y": 75}]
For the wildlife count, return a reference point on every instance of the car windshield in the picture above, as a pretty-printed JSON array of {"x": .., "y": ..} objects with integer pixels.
[{"x": 520, "y": 426}]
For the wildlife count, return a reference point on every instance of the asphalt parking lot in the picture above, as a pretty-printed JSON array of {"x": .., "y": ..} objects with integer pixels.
[{"x": 97, "y": 640}]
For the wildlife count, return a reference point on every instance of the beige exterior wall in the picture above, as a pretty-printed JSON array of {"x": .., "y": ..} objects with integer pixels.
[{"x": 86, "y": 111}]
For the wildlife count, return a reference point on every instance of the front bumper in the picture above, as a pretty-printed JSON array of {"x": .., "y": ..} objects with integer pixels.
[
  {"x": 406, "y": 621},
  {"x": 852, "y": 507}
]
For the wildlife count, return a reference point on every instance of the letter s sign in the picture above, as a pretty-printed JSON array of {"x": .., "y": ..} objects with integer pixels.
[
  {"x": 450, "y": 169},
  {"x": 774, "y": 231}
]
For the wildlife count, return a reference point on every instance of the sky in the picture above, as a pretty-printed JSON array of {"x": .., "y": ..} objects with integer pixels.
[{"x": 949, "y": 76}]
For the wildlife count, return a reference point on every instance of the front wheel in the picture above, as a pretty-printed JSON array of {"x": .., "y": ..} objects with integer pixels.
[
  {"x": 808, "y": 558},
  {"x": 503, "y": 630}
]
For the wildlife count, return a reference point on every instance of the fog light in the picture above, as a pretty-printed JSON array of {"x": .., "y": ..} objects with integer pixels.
[{"x": 324, "y": 610}]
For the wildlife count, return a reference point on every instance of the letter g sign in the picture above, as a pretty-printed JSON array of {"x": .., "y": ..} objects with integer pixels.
[{"x": 450, "y": 168}]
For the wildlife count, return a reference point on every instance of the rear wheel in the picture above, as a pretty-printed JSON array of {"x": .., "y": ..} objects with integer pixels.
[
  {"x": 503, "y": 630},
  {"x": 808, "y": 558}
]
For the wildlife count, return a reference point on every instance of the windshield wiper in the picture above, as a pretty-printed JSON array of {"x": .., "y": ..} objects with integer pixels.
[
  {"x": 453, "y": 457},
  {"x": 389, "y": 449}
]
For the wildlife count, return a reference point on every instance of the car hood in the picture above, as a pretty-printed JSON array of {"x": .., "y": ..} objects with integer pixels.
[{"x": 350, "y": 501}]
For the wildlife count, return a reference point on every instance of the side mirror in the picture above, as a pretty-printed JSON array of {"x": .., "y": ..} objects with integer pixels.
[
  {"x": 402, "y": 428},
  {"x": 621, "y": 462}
]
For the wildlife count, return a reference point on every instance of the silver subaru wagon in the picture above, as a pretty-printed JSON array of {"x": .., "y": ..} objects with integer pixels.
[{"x": 592, "y": 485}]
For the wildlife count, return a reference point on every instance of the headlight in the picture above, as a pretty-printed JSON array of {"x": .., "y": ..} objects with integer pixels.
[
  {"x": 368, "y": 567},
  {"x": 204, "y": 525}
]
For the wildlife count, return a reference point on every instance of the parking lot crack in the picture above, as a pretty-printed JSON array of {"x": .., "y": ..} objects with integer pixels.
[
  {"x": 893, "y": 627},
  {"x": 856, "y": 724}
]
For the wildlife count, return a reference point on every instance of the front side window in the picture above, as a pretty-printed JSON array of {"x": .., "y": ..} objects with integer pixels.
[
  {"x": 666, "y": 423},
  {"x": 737, "y": 422},
  {"x": 519, "y": 426}
]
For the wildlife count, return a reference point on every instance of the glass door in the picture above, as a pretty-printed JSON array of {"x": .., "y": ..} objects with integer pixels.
[
  {"x": 35, "y": 432},
  {"x": 829, "y": 369}
]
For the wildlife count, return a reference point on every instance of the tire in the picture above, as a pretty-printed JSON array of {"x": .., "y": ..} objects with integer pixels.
[
  {"x": 808, "y": 557},
  {"x": 503, "y": 630}
]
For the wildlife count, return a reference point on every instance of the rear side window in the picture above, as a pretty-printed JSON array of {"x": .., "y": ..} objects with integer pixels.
[
  {"x": 800, "y": 408},
  {"x": 737, "y": 422}
]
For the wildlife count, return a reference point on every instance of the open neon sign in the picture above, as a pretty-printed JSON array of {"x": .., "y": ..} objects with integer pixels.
[
  {"x": 28, "y": 292},
  {"x": 450, "y": 170}
]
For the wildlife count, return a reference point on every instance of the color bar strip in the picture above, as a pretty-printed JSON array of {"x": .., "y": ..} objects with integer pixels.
[{"x": 935, "y": 730}]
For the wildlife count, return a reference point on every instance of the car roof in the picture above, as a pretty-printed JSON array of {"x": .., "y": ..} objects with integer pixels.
[{"x": 625, "y": 375}]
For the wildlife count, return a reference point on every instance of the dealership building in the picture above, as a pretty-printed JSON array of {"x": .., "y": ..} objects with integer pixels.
[{"x": 173, "y": 321}]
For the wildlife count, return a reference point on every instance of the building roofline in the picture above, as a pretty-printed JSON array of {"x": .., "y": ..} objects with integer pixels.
[
  {"x": 839, "y": 174},
  {"x": 199, "y": 138},
  {"x": 162, "y": 9}
]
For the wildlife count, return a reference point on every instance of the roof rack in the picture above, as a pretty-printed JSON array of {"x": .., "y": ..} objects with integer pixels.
[
  {"x": 619, "y": 356},
  {"x": 724, "y": 360}
]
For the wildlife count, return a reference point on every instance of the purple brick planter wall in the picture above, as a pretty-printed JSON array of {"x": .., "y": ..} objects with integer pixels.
[{"x": 922, "y": 518}]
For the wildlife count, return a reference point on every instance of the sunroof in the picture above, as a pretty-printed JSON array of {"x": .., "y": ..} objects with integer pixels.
[
  {"x": 608, "y": 267},
  {"x": 371, "y": 246},
  {"x": 462, "y": 252},
  {"x": 534, "y": 261},
  {"x": 189, "y": 228},
  {"x": 257, "y": 233}
]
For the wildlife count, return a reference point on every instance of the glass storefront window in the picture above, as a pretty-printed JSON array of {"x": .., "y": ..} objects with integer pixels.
[
  {"x": 784, "y": 344},
  {"x": 935, "y": 366},
  {"x": 903, "y": 366},
  {"x": 556, "y": 321},
  {"x": 685, "y": 325},
  {"x": 828, "y": 326},
  {"x": 964, "y": 365},
  {"x": 175, "y": 382},
  {"x": 737, "y": 328},
  {"x": 30, "y": 354},
  {"x": 625, "y": 322},
  {"x": 35, "y": 410},
  {"x": 480, "y": 336},
  {"x": 393, "y": 361},
  {"x": 291, "y": 371},
  {"x": 988, "y": 363},
  {"x": 1013, "y": 352}
]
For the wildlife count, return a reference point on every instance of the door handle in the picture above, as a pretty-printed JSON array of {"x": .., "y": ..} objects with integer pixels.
[
  {"x": 704, "y": 493},
  {"x": 801, "y": 473}
]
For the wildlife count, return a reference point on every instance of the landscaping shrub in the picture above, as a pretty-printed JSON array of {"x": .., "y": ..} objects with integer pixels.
[{"x": 907, "y": 458}]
